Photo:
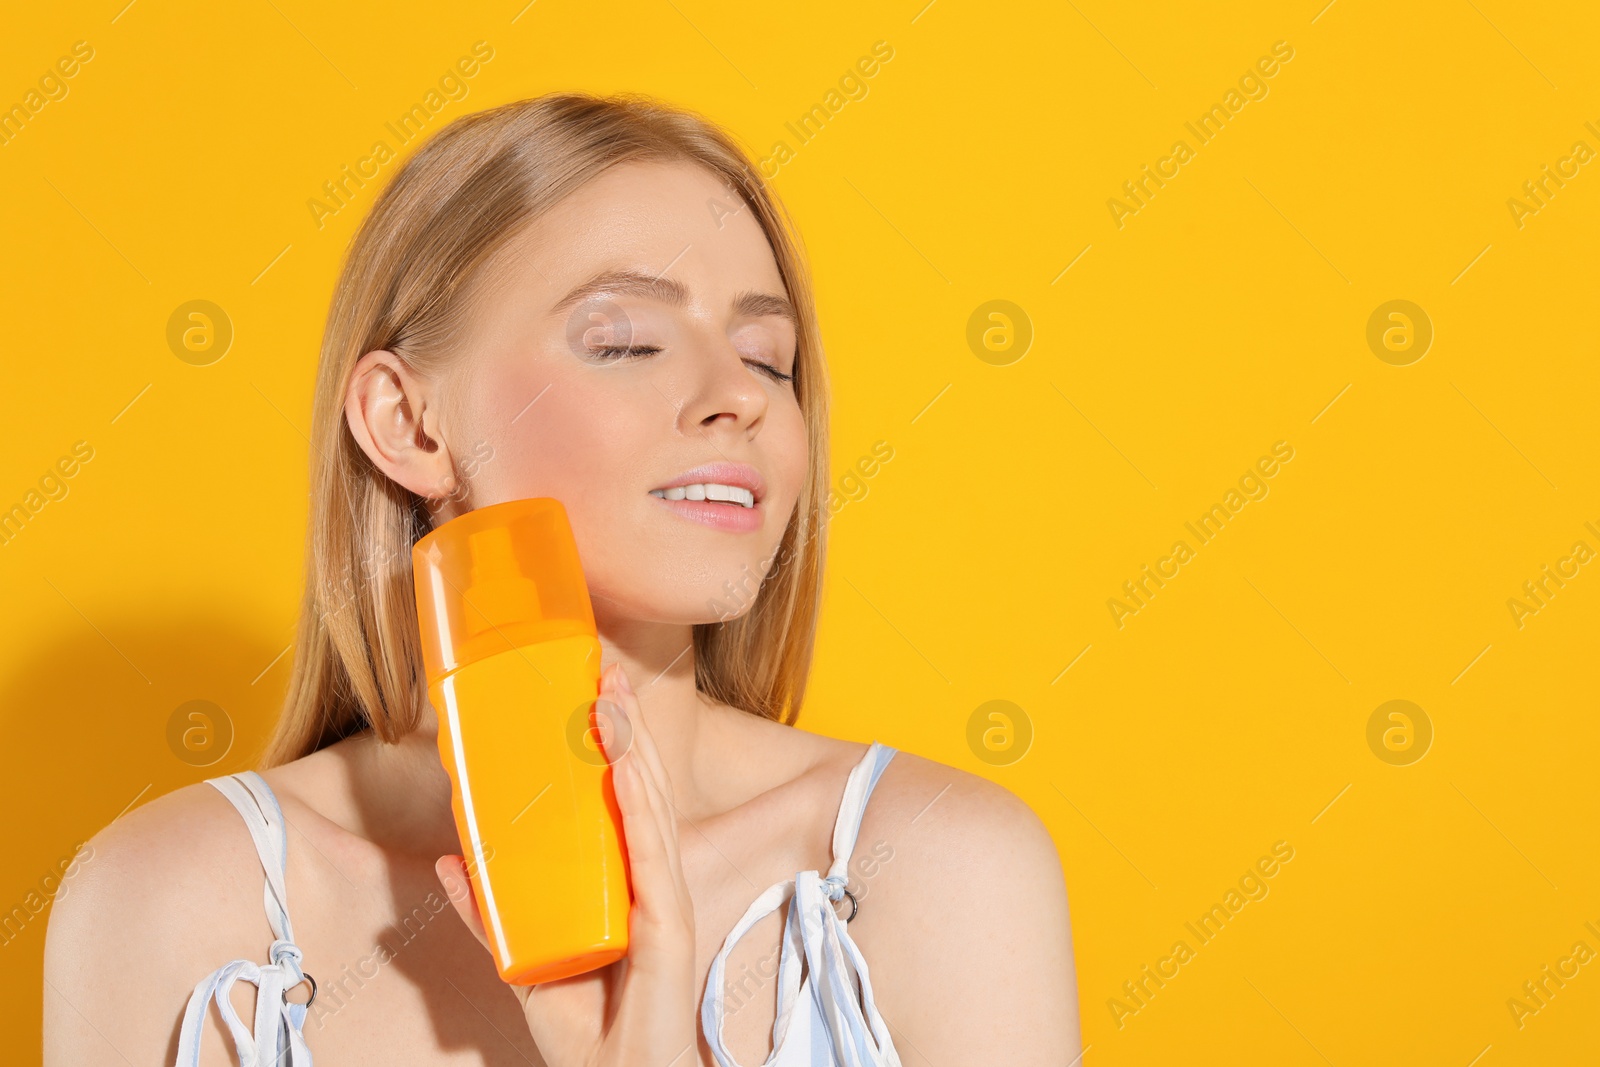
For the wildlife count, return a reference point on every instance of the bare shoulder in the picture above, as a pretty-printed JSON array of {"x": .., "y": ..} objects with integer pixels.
[
  {"x": 161, "y": 897},
  {"x": 964, "y": 919},
  {"x": 958, "y": 824}
]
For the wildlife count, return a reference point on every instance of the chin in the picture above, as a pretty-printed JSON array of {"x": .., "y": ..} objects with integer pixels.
[{"x": 670, "y": 595}]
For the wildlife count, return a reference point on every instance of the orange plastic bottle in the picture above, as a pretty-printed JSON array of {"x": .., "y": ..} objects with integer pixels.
[{"x": 513, "y": 666}]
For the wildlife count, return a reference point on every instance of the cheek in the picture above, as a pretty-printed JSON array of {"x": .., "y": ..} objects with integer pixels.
[
  {"x": 573, "y": 444},
  {"x": 789, "y": 450},
  {"x": 550, "y": 434}
]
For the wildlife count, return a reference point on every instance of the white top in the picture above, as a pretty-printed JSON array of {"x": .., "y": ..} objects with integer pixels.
[
  {"x": 836, "y": 1025},
  {"x": 827, "y": 1018}
]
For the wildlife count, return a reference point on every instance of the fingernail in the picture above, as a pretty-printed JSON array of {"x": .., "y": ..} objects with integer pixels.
[{"x": 622, "y": 682}]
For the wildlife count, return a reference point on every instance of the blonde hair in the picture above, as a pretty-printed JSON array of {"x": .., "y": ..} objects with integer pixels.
[{"x": 409, "y": 284}]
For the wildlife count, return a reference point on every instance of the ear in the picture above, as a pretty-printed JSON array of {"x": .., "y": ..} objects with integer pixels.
[{"x": 394, "y": 416}]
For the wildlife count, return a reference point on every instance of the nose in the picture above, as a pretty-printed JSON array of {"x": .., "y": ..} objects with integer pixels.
[{"x": 721, "y": 392}]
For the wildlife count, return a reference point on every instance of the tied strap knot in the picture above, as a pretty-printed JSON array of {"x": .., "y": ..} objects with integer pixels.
[
  {"x": 287, "y": 956},
  {"x": 834, "y": 886},
  {"x": 835, "y": 889}
]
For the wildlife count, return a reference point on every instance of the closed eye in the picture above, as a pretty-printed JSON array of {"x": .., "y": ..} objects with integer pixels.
[
  {"x": 625, "y": 353},
  {"x": 777, "y": 374},
  {"x": 619, "y": 354}
]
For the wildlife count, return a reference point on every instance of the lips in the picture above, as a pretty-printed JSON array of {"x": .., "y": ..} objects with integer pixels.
[
  {"x": 729, "y": 517},
  {"x": 740, "y": 475},
  {"x": 713, "y": 484}
]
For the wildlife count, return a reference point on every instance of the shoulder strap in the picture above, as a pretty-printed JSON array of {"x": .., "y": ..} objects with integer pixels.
[
  {"x": 276, "y": 1036},
  {"x": 853, "y": 808},
  {"x": 250, "y": 794}
]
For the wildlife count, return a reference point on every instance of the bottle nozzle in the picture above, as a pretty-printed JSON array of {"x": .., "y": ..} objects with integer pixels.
[{"x": 496, "y": 578}]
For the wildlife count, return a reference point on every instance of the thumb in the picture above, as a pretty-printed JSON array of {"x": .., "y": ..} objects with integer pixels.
[{"x": 452, "y": 872}]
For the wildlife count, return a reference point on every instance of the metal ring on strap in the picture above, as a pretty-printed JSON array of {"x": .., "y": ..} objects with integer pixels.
[
  {"x": 297, "y": 985},
  {"x": 854, "y": 905}
]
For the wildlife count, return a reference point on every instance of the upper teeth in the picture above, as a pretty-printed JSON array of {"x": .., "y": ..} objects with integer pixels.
[{"x": 731, "y": 494}]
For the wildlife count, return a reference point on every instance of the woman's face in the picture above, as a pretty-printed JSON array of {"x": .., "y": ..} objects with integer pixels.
[{"x": 666, "y": 260}]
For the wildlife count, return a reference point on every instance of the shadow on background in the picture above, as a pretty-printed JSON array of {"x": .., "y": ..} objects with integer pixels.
[{"x": 137, "y": 710}]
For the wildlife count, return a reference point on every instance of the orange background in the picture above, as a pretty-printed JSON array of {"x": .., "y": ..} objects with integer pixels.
[{"x": 1171, "y": 347}]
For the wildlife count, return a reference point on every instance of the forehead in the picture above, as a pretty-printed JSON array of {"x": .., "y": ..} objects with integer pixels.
[{"x": 676, "y": 219}]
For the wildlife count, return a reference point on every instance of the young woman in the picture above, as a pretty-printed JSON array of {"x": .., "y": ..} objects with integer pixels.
[{"x": 598, "y": 300}]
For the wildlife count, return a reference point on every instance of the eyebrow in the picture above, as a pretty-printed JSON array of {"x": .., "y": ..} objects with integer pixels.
[{"x": 750, "y": 303}]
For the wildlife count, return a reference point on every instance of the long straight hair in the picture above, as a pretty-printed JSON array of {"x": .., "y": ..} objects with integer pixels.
[{"x": 409, "y": 284}]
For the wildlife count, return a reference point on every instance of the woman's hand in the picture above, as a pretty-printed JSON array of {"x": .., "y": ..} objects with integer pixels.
[{"x": 648, "y": 995}]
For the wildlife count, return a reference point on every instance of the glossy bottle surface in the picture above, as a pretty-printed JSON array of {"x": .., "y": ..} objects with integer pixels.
[{"x": 534, "y": 804}]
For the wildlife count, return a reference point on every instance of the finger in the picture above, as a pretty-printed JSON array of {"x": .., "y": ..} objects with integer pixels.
[
  {"x": 660, "y": 890},
  {"x": 643, "y": 749},
  {"x": 613, "y": 726},
  {"x": 641, "y": 803},
  {"x": 637, "y": 791},
  {"x": 642, "y": 760},
  {"x": 642, "y": 739},
  {"x": 452, "y": 874},
  {"x": 630, "y": 736},
  {"x": 652, "y": 868},
  {"x": 648, "y": 823},
  {"x": 645, "y": 742}
]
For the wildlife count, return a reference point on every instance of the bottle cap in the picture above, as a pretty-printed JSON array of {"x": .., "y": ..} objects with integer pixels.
[{"x": 495, "y": 579}]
